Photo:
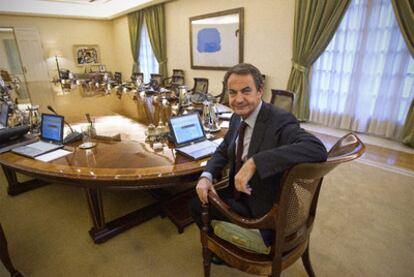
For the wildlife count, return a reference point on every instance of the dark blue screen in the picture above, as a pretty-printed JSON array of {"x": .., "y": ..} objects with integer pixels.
[{"x": 52, "y": 126}]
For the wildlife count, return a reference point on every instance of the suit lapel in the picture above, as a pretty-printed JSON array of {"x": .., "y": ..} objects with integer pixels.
[{"x": 259, "y": 130}]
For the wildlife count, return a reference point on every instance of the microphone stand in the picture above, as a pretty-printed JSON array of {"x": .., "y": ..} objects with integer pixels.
[{"x": 73, "y": 136}]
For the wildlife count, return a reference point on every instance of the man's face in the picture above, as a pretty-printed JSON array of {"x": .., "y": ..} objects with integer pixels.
[{"x": 243, "y": 95}]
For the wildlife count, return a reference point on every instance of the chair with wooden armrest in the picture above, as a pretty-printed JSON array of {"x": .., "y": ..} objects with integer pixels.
[
  {"x": 4, "y": 256},
  {"x": 283, "y": 99},
  {"x": 200, "y": 85},
  {"x": 239, "y": 243},
  {"x": 176, "y": 79},
  {"x": 137, "y": 75}
]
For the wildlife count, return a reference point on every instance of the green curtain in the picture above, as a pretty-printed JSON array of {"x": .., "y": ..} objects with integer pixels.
[
  {"x": 315, "y": 24},
  {"x": 155, "y": 20},
  {"x": 404, "y": 12},
  {"x": 135, "y": 20},
  {"x": 408, "y": 131}
]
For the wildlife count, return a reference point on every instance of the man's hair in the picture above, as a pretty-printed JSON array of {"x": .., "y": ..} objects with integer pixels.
[{"x": 245, "y": 69}]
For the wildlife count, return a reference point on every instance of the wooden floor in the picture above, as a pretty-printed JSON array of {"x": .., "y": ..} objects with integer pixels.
[{"x": 377, "y": 154}]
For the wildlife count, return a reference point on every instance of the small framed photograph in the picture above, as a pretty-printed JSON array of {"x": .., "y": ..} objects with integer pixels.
[{"x": 87, "y": 54}]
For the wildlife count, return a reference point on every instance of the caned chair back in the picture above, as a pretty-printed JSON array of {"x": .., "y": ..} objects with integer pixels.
[
  {"x": 200, "y": 85},
  {"x": 291, "y": 217}
]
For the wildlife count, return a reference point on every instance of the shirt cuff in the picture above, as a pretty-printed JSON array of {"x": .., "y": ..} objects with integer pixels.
[{"x": 207, "y": 175}]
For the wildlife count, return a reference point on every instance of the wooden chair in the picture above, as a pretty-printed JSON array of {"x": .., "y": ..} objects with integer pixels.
[
  {"x": 200, "y": 85},
  {"x": 176, "y": 79},
  {"x": 283, "y": 99},
  {"x": 4, "y": 256},
  {"x": 291, "y": 216}
]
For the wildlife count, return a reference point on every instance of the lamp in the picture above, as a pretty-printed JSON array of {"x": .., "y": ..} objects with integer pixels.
[{"x": 57, "y": 53}]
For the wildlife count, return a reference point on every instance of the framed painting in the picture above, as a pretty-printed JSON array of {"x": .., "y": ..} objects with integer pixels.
[
  {"x": 86, "y": 54},
  {"x": 216, "y": 39}
]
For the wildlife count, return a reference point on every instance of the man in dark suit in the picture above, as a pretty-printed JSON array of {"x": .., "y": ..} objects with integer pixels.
[{"x": 261, "y": 143}]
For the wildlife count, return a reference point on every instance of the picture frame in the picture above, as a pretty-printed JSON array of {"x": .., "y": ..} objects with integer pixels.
[
  {"x": 86, "y": 54},
  {"x": 217, "y": 39}
]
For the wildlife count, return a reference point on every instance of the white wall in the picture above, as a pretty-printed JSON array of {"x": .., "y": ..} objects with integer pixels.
[
  {"x": 268, "y": 26},
  {"x": 268, "y": 33},
  {"x": 62, "y": 34}
]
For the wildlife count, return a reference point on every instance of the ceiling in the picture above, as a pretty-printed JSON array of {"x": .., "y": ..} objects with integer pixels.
[{"x": 94, "y": 9}]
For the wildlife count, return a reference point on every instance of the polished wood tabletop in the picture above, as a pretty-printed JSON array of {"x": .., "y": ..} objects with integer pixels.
[{"x": 130, "y": 162}]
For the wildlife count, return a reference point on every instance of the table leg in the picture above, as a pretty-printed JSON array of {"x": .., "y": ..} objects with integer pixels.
[
  {"x": 101, "y": 230},
  {"x": 4, "y": 255},
  {"x": 15, "y": 187}
]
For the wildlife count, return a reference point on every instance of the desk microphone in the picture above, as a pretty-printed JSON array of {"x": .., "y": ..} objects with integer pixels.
[{"x": 73, "y": 136}]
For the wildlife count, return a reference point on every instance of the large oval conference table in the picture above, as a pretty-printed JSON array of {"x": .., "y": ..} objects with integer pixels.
[{"x": 129, "y": 164}]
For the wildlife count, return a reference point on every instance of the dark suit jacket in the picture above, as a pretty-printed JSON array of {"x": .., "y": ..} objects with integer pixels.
[{"x": 277, "y": 143}]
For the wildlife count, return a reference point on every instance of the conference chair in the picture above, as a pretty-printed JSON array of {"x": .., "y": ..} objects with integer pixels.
[
  {"x": 4, "y": 256},
  {"x": 175, "y": 80},
  {"x": 137, "y": 76},
  {"x": 283, "y": 99},
  {"x": 200, "y": 85},
  {"x": 240, "y": 245}
]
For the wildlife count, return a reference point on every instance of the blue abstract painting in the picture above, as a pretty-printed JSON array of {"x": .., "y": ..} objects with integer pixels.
[{"x": 208, "y": 40}]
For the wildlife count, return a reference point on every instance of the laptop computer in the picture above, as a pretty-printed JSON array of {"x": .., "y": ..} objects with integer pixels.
[
  {"x": 51, "y": 137},
  {"x": 189, "y": 136},
  {"x": 4, "y": 115}
]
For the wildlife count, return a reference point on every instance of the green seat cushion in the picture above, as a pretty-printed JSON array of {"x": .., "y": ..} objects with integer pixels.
[{"x": 247, "y": 239}]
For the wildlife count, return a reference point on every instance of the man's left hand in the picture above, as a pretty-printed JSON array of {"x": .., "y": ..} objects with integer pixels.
[{"x": 242, "y": 178}]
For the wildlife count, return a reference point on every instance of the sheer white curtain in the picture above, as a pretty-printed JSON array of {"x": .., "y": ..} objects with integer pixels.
[
  {"x": 147, "y": 61},
  {"x": 364, "y": 81}
]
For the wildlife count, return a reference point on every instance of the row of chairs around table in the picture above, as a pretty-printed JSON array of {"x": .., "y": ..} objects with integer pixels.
[
  {"x": 281, "y": 98},
  {"x": 104, "y": 82}
]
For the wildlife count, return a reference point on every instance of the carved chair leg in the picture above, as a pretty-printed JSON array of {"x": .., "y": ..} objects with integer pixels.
[
  {"x": 307, "y": 263},
  {"x": 204, "y": 241},
  {"x": 4, "y": 256}
]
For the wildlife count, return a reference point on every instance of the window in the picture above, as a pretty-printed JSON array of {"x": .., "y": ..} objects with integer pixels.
[
  {"x": 364, "y": 80},
  {"x": 148, "y": 62}
]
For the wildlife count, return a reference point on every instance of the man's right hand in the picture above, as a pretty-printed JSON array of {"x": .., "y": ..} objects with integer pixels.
[{"x": 204, "y": 185}]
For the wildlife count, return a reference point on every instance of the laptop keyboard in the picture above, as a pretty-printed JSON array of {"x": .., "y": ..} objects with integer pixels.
[{"x": 199, "y": 146}]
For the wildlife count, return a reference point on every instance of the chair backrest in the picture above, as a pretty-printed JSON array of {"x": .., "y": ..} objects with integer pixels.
[
  {"x": 5, "y": 76},
  {"x": 156, "y": 77},
  {"x": 177, "y": 80},
  {"x": 299, "y": 192},
  {"x": 178, "y": 72},
  {"x": 283, "y": 99},
  {"x": 200, "y": 85},
  {"x": 137, "y": 75},
  {"x": 118, "y": 78}
]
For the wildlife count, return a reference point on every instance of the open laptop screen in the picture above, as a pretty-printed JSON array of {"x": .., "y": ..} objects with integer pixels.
[
  {"x": 186, "y": 128},
  {"x": 4, "y": 114},
  {"x": 52, "y": 128}
]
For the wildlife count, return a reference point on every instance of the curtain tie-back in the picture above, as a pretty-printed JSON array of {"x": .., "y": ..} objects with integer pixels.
[
  {"x": 299, "y": 67},
  {"x": 163, "y": 62}
]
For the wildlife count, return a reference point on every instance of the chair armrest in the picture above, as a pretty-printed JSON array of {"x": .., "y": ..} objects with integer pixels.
[{"x": 265, "y": 222}]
